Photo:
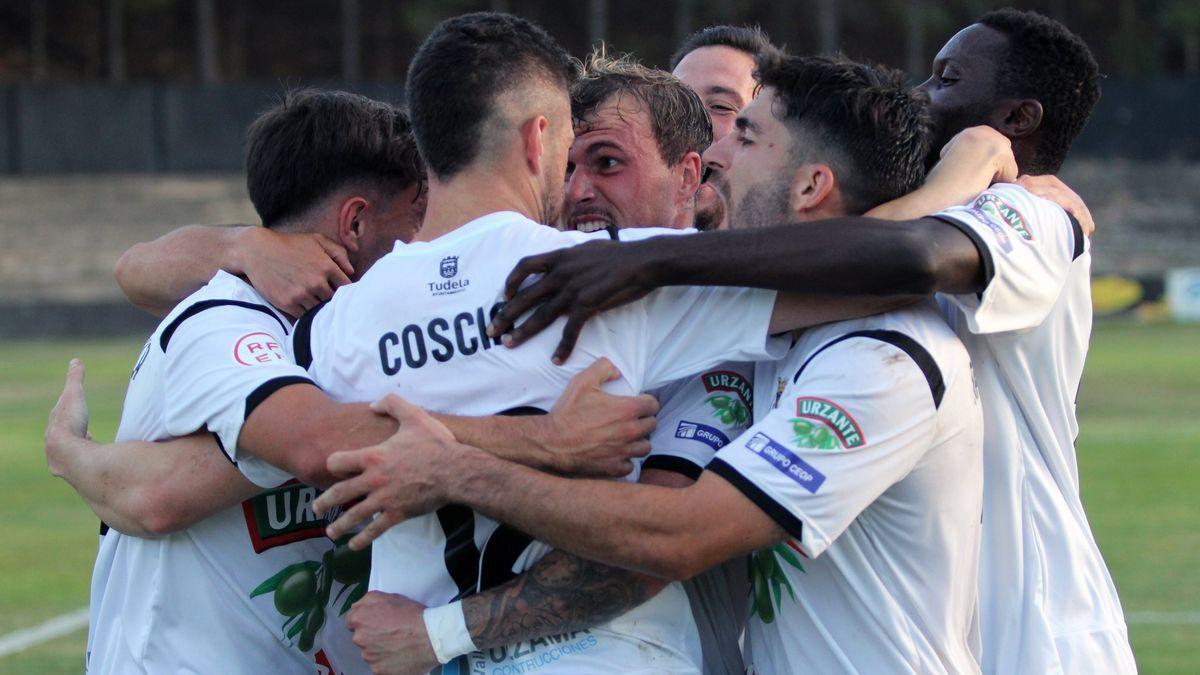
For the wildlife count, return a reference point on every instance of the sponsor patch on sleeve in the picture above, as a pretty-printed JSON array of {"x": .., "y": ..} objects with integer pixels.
[
  {"x": 786, "y": 462},
  {"x": 257, "y": 348},
  {"x": 694, "y": 431},
  {"x": 999, "y": 210},
  {"x": 824, "y": 425}
]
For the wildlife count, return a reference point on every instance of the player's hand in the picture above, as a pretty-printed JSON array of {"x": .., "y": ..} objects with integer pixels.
[
  {"x": 577, "y": 282},
  {"x": 593, "y": 433},
  {"x": 398, "y": 479},
  {"x": 293, "y": 271},
  {"x": 974, "y": 158},
  {"x": 390, "y": 630},
  {"x": 1050, "y": 187},
  {"x": 68, "y": 420}
]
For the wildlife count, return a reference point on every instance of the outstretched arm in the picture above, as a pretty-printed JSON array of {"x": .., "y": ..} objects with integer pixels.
[
  {"x": 294, "y": 272},
  {"x": 144, "y": 489}
]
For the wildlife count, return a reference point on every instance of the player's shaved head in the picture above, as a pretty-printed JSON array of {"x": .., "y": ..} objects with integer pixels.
[{"x": 476, "y": 77}]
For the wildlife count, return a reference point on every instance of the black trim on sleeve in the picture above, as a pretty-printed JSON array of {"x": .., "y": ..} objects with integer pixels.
[
  {"x": 985, "y": 253},
  {"x": 679, "y": 465},
  {"x": 302, "y": 337},
  {"x": 1079, "y": 242},
  {"x": 221, "y": 445},
  {"x": 264, "y": 390},
  {"x": 762, "y": 500},
  {"x": 919, "y": 355},
  {"x": 103, "y": 528},
  {"x": 209, "y": 304}
]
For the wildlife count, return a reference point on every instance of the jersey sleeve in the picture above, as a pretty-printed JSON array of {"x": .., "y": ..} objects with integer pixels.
[
  {"x": 219, "y": 364},
  {"x": 855, "y": 420},
  {"x": 698, "y": 416},
  {"x": 691, "y": 328},
  {"x": 1027, "y": 245}
]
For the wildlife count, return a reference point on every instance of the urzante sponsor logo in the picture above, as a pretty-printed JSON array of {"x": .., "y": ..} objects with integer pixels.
[
  {"x": 833, "y": 416},
  {"x": 448, "y": 269},
  {"x": 283, "y": 515},
  {"x": 531, "y": 656},
  {"x": 1001, "y": 235},
  {"x": 694, "y": 431},
  {"x": 786, "y": 462}
]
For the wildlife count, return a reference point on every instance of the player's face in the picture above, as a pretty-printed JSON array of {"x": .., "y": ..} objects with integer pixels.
[
  {"x": 760, "y": 165},
  {"x": 559, "y": 135},
  {"x": 395, "y": 218},
  {"x": 963, "y": 84},
  {"x": 615, "y": 173},
  {"x": 724, "y": 79}
]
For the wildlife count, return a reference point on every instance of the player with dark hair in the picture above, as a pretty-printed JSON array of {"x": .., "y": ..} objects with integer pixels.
[
  {"x": 1011, "y": 271},
  {"x": 635, "y": 161},
  {"x": 858, "y": 488}
]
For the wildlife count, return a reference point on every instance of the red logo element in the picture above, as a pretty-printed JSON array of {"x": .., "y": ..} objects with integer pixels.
[
  {"x": 255, "y": 348},
  {"x": 324, "y": 667}
]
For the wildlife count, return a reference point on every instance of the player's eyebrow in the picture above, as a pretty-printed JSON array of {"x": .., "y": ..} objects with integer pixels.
[
  {"x": 593, "y": 148},
  {"x": 718, "y": 89},
  {"x": 744, "y": 124}
]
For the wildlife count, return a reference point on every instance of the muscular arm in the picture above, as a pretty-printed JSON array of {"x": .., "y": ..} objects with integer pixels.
[{"x": 294, "y": 272}]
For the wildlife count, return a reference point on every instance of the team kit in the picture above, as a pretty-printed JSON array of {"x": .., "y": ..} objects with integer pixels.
[{"x": 764, "y": 364}]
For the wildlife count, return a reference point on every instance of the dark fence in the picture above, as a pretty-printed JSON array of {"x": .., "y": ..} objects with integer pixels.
[{"x": 150, "y": 128}]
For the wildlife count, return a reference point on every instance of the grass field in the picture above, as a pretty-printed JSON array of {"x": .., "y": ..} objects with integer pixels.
[{"x": 1139, "y": 457}]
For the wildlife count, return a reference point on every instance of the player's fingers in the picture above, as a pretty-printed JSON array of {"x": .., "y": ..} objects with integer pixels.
[
  {"x": 527, "y": 266},
  {"x": 645, "y": 426},
  {"x": 75, "y": 373},
  {"x": 338, "y": 254},
  {"x": 351, "y": 518},
  {"x": 345, "y": 463},
  {"x": 645, "y": 405},
  {"x": 545, "y": 315},
  {"x": 528, "y": 298},
  {"x": 575, "y": 321},
  {"x": 638, "y": 448},
  {"x": 340, "y": 493},
  {"x": 398, "y": 409},
  {"x": 373, "y": 531},
  {"x": 602, "y": 370}
]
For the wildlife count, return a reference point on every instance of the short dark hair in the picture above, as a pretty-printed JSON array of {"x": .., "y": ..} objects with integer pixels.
[
  {"x": 1047, "y": 62},
  {"x": 314, "y": 142},
  {"x": 864, "y": 120},
  {"x": 748, "y": 39},
  {"x": 460, "y": 69},
  {"x": 677, "y": 116}
]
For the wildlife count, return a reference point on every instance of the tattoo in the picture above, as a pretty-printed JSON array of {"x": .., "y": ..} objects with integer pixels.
[{"x": 560, "y": 594}]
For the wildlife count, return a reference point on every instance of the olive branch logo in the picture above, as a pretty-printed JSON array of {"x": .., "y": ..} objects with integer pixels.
[
  {"x": 768, "y": 579},
  {"x": 302, "y": 590},
  {"x": 729, "y": 410},
  {"x": 815, "y": 436}
]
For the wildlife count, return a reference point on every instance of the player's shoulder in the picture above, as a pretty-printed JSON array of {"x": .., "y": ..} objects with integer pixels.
[
  {"x": 223, "y": 291},
  {"x": 865, "y": 347},
  {"x": 1025, "y": 213}
]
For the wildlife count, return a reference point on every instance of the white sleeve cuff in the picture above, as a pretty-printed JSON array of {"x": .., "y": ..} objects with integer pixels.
[{"x": 447, "y": 628}]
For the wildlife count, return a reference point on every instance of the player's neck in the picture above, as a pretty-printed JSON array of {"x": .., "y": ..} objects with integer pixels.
[{"x": 469, "y": 196}]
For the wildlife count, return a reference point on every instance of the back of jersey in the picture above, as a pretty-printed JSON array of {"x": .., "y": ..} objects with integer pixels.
[{"x": 415, "y": 325}]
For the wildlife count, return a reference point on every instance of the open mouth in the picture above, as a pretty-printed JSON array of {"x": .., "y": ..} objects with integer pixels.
[{"x": 590, "y": 222}]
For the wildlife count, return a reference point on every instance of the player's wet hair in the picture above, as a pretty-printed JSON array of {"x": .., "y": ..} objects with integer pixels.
[
  {"x": 1049, "y": 63},
  {"x": 460, "y": 69},
  {"x": 748, "y": 39},
  {"x": 315, "y": 142},
  {"x": 864, "y": 121},
  {"x": 677, "y": 116}
]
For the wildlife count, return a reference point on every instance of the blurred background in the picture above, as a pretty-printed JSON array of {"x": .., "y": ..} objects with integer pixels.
[{"x": 123, "y": 119}]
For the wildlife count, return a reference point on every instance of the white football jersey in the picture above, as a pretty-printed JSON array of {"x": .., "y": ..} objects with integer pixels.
[
  {"x": 415, "y": 325},
  {"x": 698, "y": 416},
  {"x": 251, "y": 589},
  {"x": 872, "y": 462},
  {"x": 1047, "y": 602}
]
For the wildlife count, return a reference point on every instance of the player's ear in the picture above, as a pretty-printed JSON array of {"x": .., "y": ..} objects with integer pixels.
[
  {"x": 690, "y": 169},
  {"x": 352, "y": 222},
  {"x": 533, "y": 141},
  {"x": 812, "y": 187},
  {"x": 1019, "y": 118}
]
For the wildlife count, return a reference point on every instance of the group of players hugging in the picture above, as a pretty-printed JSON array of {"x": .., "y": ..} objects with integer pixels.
[{"x": 780, "y": 379}]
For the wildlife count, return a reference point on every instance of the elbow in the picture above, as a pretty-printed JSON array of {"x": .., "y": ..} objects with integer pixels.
[
  {"x": 124, "y": 270},
  {"x": 157, "y": 513},
  {"x": 310, "y": 467}
]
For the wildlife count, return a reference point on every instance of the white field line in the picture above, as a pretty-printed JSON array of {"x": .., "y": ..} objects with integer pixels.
[
  {"x": 59, "y": 626},
  {"x": 72, "y": 621}
]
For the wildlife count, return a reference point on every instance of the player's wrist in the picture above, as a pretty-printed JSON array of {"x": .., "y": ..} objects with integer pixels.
[
  {"x": 446, "y": 628},
  {"x": 247, "y": 241}
]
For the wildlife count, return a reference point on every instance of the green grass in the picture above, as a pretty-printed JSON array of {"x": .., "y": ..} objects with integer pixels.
[{"x": 1139, "y": 460}]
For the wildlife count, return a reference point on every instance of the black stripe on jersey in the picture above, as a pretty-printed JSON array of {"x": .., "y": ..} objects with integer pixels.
[
  {"x": 985, "y": 253},
  {"x": 209, "y": 304},
  {"x": 461, "y": 553},
  {"x": 1077, "y": 229},
  {"x": 221, "y": 445},
  {"x": 264, "y": 390},
  {"x": 103, "y": 528},
  {"x": 919, "y": 355},
  {"x": 302, "y": 337},
  {"x": 613, "y": 233},
  {"x": 762, "y": 500},
  {"x": 679, "y": 465}
]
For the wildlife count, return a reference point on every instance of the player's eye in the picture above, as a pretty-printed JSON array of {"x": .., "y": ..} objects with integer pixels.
[
  {"x": 607, "y": 163},
  {"x": 722, "y": 109},
  {"x": 946, "y": 81}
]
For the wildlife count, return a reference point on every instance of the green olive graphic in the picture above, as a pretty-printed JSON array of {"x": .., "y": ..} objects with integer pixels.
[
  {"x": 349, "y": 565},
  {"x": 296, "y": 592},
  {"x": 316, "y": 619}
]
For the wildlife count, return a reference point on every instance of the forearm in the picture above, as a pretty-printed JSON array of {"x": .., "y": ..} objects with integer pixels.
[
  {"x": 517, "y": 439},
  {"x": 560, "y": 594},
  {"x": 622, "y": 524},
  {"x": 866, "y": 257},
  {"x": 150, "y": 489},
  {"x": 156, "y": 275}
]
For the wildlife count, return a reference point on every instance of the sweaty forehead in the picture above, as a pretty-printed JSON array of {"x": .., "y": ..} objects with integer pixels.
[
  {"x": 976, "y": 45},
  {"x": 718, "y": 66},
  {"x": 621, "y": 119}
]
